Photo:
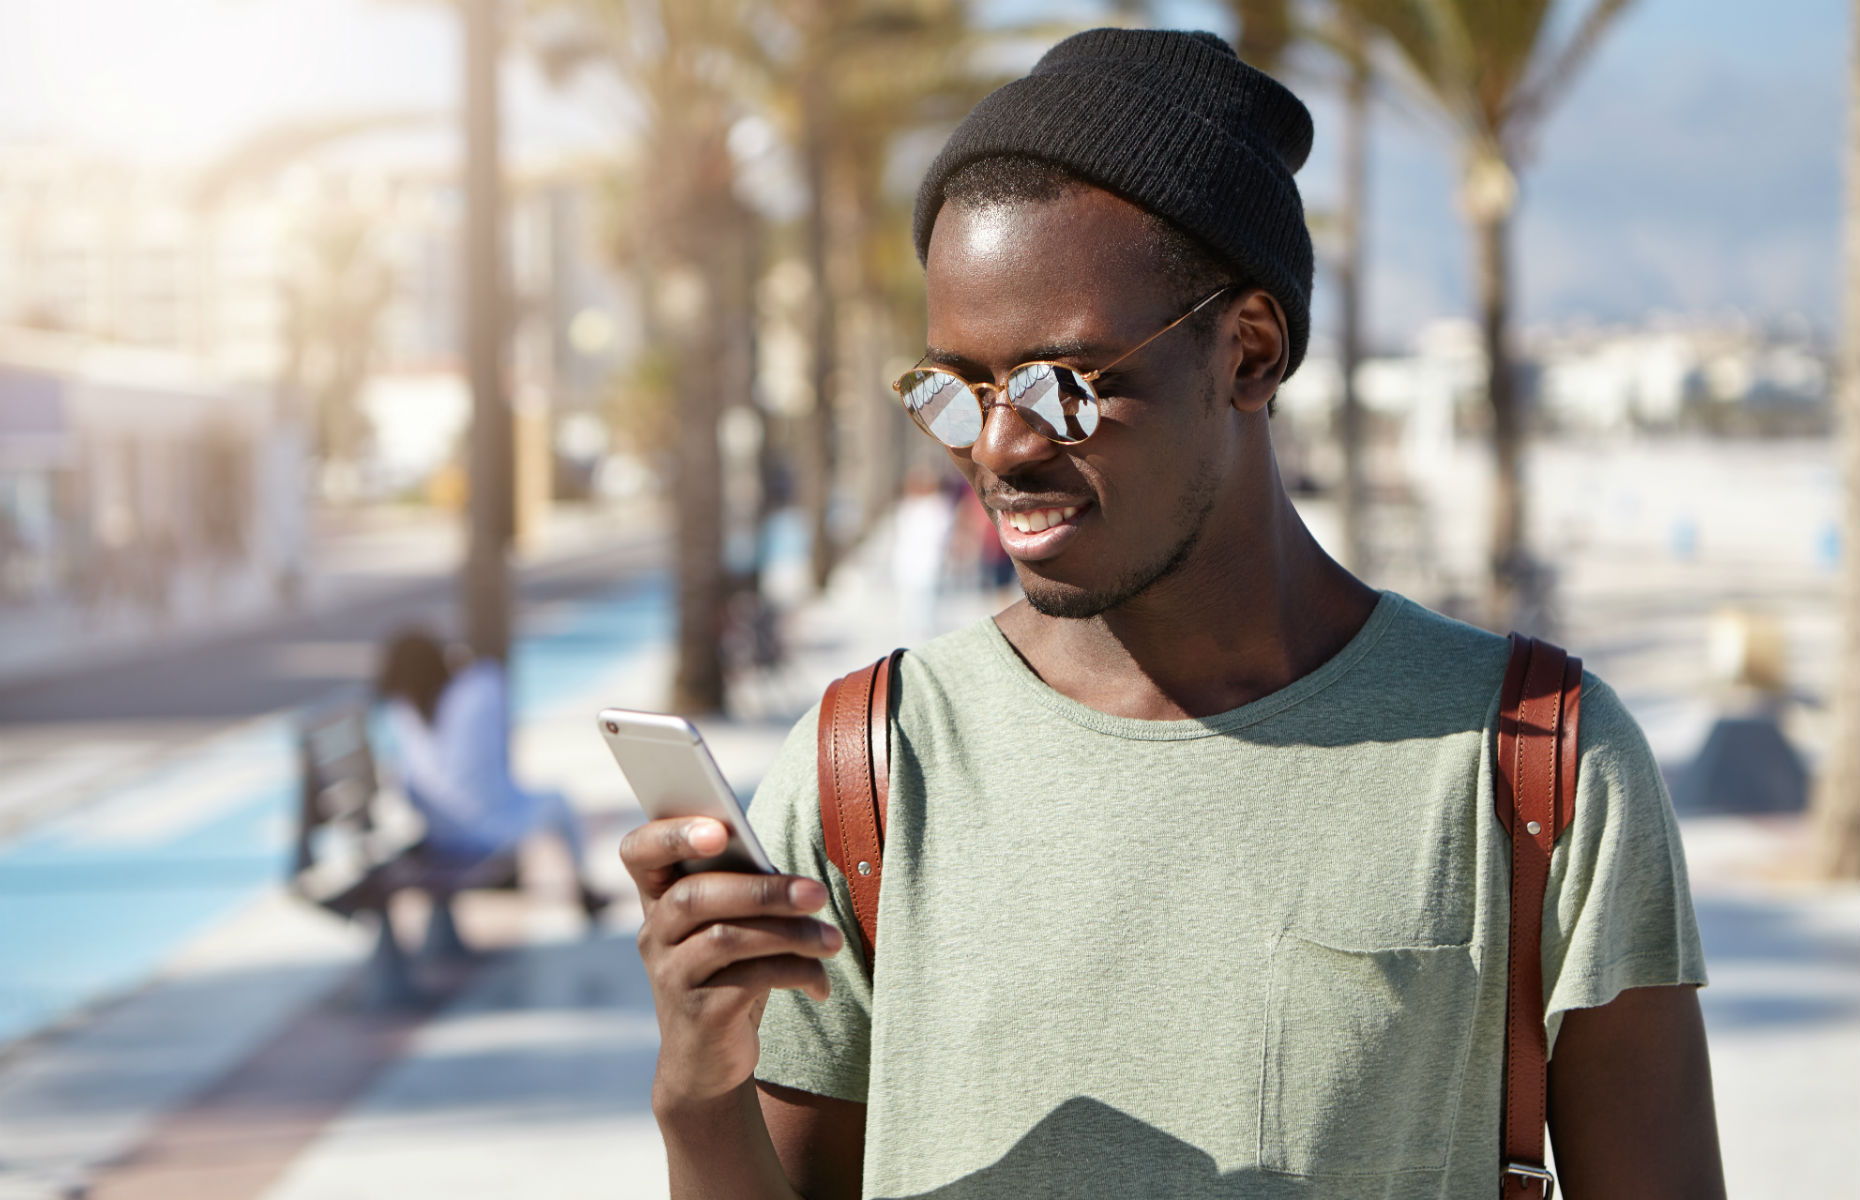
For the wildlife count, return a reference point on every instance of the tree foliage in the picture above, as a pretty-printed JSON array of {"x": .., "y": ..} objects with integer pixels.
[
  {"x": 1494, "y": 71},
  {"x": 841, "y": 81}
]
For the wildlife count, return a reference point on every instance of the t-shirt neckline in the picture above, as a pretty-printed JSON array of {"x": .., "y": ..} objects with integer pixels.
[{"x": 1388, "y": 605}]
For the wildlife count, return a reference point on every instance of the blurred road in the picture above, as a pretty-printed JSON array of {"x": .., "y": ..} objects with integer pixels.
[
  {"x": 299, "y": 658},
  {"x": 70, "y": 733}
]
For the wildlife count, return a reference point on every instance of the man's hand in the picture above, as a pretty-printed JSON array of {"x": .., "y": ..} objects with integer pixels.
[
  {"x": 1630, "y": 1100},
  {"x": 714, "y": 944}
]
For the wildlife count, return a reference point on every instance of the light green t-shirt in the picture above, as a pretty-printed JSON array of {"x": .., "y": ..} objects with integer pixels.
[{"x": 1259, "y": 954}]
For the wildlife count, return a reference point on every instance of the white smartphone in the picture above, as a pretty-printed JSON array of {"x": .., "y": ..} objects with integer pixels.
[{"x": 672, "y": 773}]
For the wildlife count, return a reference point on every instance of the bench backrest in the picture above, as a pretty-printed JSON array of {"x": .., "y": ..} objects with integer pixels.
[{"x": 338, "y": 775}]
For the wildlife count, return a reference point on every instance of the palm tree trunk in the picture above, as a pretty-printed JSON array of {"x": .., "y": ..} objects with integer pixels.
[
  {"x": 490, "y": 505},
  {"x": 1350, "y": 292},
  {"x": 697, "y": 679},
  {"x": 705, "y": 230},
  {"x": 1265, "y": 32},
  {"x": 1491, "y": 237},
  {"x": 1837, "y": 799},
  {"x": 818, "y": 441}
]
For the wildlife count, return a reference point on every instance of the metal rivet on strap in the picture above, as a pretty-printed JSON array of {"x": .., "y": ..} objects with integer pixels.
[
  {"x": 865, "y": 868},
  {"x": 1530, "y": 827}
]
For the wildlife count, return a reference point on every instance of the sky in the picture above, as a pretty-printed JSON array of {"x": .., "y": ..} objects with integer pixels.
[{"x": 1695, "y": 167}]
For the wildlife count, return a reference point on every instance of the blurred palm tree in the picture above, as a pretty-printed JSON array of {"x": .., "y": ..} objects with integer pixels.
[
  {"x": 1494, "y": 71},
  {"x": 1269, "y": 30},
  {"x": 853, "y": 78},
  {"x": 690, "y": 241},
  {"x": 335, "y": 295},
  {"x": 843, "y": 80},
  {"x": 1837, "y": 800},
  {"x": 1350, "y": 40}
]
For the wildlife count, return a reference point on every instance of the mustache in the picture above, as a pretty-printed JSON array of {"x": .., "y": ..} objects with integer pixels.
[
  {"x": 1031, "y": 488},
  {"x": 1008, "y": 495}
]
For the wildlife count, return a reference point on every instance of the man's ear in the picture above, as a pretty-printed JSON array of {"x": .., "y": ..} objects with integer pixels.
[{"x": 1256, "y": 327}]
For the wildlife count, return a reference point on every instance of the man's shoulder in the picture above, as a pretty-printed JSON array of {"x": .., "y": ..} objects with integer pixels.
[
  {"x": 1436, "y": 657},
  {"x": 929, "y": 676},
  {"x": 1415, "y": 660},
  {"x": 959, "y": 669},
  {"x": 1415, "y": 629},
  {"x": 973, "y": 647}
]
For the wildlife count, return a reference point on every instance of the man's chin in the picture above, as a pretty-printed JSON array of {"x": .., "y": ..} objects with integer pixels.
[
  {"x": 1080, "y": 602},
  {"x": 1069, "y": 601},
  {"x": 1068, "y": 604}
]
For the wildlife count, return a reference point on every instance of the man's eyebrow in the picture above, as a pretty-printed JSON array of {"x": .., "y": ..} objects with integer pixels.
[{"x": 1070, "y": 348}]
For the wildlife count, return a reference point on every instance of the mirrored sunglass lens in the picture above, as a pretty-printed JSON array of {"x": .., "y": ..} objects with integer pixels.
[
  {"x": 1055, "y": 401},
  {"x": 943, "y": 405}
]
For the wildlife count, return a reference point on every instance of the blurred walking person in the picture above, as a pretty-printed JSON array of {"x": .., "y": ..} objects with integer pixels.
[{"x": 919, "y": 546}]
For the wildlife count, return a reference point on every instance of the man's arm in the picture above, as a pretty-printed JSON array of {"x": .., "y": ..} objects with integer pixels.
[
  {"x": 714, "y": 944},
  {"x": 1630, "y": 1100},
  {"x": 820, "y": 1140},
  {"x": 718, "y": 1149}
]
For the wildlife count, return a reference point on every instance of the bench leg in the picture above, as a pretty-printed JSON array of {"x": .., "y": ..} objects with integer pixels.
[
  {"x": 443, "y": 943},
  {"x": 386, "y": 981}
]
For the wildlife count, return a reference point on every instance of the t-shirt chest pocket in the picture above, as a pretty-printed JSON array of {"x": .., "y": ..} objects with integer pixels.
[{"x": 1364, "y": 1055}]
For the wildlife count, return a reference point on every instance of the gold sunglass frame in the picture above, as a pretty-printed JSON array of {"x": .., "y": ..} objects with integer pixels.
[{"x": 1088, "y": 378}]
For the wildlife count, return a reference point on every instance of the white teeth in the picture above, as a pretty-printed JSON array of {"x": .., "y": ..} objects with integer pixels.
[{"x": 1042, "y": 519}]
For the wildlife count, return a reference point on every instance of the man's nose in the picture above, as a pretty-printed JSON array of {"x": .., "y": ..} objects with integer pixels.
[{"x": 1007, "y": 443}]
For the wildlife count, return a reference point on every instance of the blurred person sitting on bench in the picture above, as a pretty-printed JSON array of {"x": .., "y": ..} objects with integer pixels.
[{"x": 448, "y": 714}]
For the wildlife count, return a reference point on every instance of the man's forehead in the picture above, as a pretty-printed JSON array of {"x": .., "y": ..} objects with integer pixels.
[
  {"x": 1049, "y": 278},
  {"x": 1083, "y": 228}
]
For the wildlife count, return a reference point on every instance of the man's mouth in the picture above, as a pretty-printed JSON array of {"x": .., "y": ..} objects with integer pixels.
[
  {"x": 1038, "y": 520},
  {"x": 1036, "y": 534}
]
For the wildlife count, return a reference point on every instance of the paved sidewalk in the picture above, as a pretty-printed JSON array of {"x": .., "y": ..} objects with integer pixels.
[{"x": 1783, "y": 1007}]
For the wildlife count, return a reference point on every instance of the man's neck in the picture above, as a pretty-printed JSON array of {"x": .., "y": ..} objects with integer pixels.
[{"x": 1240, "y": 620}]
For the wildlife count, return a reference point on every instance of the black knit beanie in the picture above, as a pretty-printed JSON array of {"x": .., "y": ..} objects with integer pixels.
[{"x": 1173, "y": 122}]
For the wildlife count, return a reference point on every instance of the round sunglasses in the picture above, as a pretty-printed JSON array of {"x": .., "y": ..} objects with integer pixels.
[{"x": 1056, "y": 401}]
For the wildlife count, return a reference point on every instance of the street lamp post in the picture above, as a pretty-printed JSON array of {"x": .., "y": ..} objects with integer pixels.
[{"x": 486, "y": 582}]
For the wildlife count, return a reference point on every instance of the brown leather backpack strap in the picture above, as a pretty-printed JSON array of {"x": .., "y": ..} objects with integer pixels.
[
  {"x": 854, "y": 770},
  {"x": 1536, "y": 800},
  {"x": 878, "y": 725},
  {"x": 827, "y": 777}
]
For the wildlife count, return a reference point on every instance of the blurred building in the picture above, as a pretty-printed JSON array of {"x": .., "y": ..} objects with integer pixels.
[
  {"x": 338, "y": 281},
  {"x": 124, "y": 255},
  {"x": 192, "y": 358},
  {"x": 1724, "y": 377},
  {"x": 131, "y": 480},
  {"x": 1730, "y": 377}
]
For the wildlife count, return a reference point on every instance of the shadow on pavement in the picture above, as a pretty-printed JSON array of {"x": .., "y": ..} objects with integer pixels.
[{"x": 1776, "y": 962}]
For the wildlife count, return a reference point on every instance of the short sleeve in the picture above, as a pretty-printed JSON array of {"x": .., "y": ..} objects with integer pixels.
[
  {"x": 823, "y": 1047},
  {"x": 1618, "y": 911}
]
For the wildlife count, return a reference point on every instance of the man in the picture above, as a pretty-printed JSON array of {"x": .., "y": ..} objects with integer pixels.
[{"x": 1193, "y": 885}]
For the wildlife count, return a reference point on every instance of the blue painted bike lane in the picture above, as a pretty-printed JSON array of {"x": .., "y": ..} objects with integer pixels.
[{"x": 94, "y": 902}]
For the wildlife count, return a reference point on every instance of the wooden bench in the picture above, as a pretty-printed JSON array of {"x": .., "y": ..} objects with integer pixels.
[{"x": 352, "y": 858}]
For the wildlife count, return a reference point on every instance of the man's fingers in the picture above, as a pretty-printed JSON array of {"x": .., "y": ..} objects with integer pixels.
[
  {"x": 653, "y": 851},
  {"x": 714, "y": 947},
  {"x": 695, "y": 901},
  {"x": 762, "y": 974}
]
